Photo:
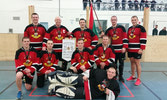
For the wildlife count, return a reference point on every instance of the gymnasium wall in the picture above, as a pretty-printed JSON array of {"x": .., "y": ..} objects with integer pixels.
[{"x": 156, "y": 48}]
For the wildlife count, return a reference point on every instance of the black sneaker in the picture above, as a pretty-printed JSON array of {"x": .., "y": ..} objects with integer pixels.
[{"x": 121, "y": 79}]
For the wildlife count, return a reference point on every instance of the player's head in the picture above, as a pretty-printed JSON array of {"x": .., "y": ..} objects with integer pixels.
[
  {"x": 111, "y": 72},
  {"x": 82, "y": 23},
  {"x": 134, "y": 20},
  {"x": 25, "y": 42},
  {"x": 80, "y": 43},
  {"x": 58, "y": 21},
  {"x": 105, "y": 40},
  {"x": 35, "y": 18},
  {"x": 49, "y": 44},
  {"x": 114, "y": 20}
]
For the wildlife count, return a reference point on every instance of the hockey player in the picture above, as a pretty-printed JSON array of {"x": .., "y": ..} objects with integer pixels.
[
  {"x": 137, "y": 43},
  {"x": 57, "y": 33},
  {"x": 104, "y": 53},
  {"x": 26, "y": 62},
  {"x": 119, "y": 41},
  {"x": 48, "y": 63},
  {"x": 35, "y": 32},
  {"x": 82, "y": 58},
  {"x": 90, "y": 38}
]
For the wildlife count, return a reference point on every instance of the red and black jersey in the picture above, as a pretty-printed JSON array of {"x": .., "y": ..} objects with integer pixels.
[
  {"x": 36, "y": 35},
  {"x": 26, "y": 59},
  {"x": 85, "y": 58},
  {"x": 48, "y": 61},
  {"x": 90, "y": 39},
  {"x": 137, "y": 38},
  {"x": 57, "y": 34},
  {"x": 118, "y": 37},
  {"x": 101, "y": 55}
]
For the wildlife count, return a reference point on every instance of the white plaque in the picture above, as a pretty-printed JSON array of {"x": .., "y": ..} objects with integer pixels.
[{"x": 69, "y": 46}]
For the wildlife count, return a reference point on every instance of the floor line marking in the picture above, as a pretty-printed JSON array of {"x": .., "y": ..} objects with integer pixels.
[{"x": 7, "y": 87}]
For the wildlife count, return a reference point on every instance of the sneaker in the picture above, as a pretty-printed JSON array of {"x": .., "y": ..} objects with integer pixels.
[
  {"x": 19, "y": 95},
  {"x": 121, "y": 79},
  {"x": 138, "y": 82},
  {"x": 131, "y": 78}
]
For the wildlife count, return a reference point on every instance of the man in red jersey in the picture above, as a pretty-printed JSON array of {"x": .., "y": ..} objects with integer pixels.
[
  {"x": 90, "y": 38},
  {"x": 48, "y": 63},
  {"x": 57, "y": 33},
  {"x": 104, "y": 53},
  {"x": 26, "y": 62},
  {"x": 82, "y": 58},
  {"x": 119, "y": 41},
  {"x": 137, "y": 43},
  {"x": 35, "y": 32}
]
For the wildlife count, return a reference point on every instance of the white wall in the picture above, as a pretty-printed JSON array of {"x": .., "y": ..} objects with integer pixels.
[{"x": 70, "y": 11}]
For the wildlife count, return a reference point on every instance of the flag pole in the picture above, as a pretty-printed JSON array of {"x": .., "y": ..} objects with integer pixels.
[{"x": 96, "y": 16}]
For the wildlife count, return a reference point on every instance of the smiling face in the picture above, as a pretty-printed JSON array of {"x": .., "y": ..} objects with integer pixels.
[
  {"x": 134, "y": 20},
  {"x": 26, "y": 43},
  {"x": 35, "y": 18},
  {"x": 105, "y": 40},
  {"x": 80, "y": 44},
  {"x": 58, "y": 21},
  {"x": 114, "y": 20},
  {"x": 111, "y": 72}
]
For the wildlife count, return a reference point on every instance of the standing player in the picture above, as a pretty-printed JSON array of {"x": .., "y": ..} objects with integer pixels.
[
  {"x": 26, "y": 61},
  {"x": 104, "y": 53},
  {"x": 57, "y": 33},
  {"x": 35, "y": 32},
  {"x": 90, "y": 39},
  {"x": 137, "y": 43},
  {"x": 119, "y": 41}
]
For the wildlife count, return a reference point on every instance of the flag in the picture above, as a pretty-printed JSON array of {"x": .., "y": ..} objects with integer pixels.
[{"x": 92, "y": 25}]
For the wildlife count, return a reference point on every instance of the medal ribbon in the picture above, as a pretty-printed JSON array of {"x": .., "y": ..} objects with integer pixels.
[
  {"x": 49, "y": 57},
  {"x": 59, "y": 31},
  {"x": 35, "y": 27},
  {"x": 26, "y": 53}
]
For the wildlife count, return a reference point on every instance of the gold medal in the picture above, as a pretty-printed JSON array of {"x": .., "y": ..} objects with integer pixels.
[
  {"x": 82, "y": 61},
  {"x": 36, "y": 34},
  {"x": 115, "y": 35},
  {"x": 59, "y": 36},
  {"x": 49, "y": 62},
  {"x": 27, "y": 61},
  {"x": 103, "y": 56}
]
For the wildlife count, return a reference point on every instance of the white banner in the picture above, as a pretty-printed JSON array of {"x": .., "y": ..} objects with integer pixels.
[{"x": 69, "y": 46}]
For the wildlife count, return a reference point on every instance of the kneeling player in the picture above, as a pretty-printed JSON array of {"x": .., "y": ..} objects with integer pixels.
[
  {"x": 48, "y": 63},
  {"x": 82, "y": 58},
  {"x": 26, "y": 61}
]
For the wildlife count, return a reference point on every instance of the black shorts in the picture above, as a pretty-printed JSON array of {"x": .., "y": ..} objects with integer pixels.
[
  {"x": 134, "y": 55},
  {"x": 27, "y": 79}
]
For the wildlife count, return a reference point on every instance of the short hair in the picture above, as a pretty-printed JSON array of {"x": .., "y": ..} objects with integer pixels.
[
  {"x": 33, "y": 14},
  {"x": 111, "y": 66},
  {"x": 49, "y": 40},
  {"x": 134, "y": 17},
  {"x": 25, "y": 38},
  {"x": 82, "y": 19},
  {"x": 113, "y": 16},
  {"x": 80, "y": 39},
  {"x": 105, "y": 36}
]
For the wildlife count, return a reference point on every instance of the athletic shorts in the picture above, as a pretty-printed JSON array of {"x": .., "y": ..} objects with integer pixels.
[
  {"x": 27, "y": 79},
  {"x": 134, "y": 55}
]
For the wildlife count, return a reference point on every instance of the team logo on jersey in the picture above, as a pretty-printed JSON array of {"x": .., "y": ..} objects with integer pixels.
[
  {"x": 115, "y": 37},
  {"x": 48, "y": 64},
  {"x": 58, "y": 37},
  {"x": 27, "y": 63},
  {"x": 35, "y": 35},
  {"x": 132, "y": 36},
  {"x": 82, "y": 62}
]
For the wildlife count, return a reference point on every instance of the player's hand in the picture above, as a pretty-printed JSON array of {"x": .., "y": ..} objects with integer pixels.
[
  {"x": 107, "y": 91},
  {"x": 102, "y": 33},
  {"x": 68, "y": 33},
  {"x": 85, "y": 78},
  {"x": 27, "y": 70},
  {"x": 140, "y": 51},
  {"x": 102, "y": 65},
  {"x": 90, "y": 48},
  {"x": 48, "y": 71},
  {"x": 83, "y": 68},
  {"x": 43, "y": 48},
  {"x": 123, "y": 50}
]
